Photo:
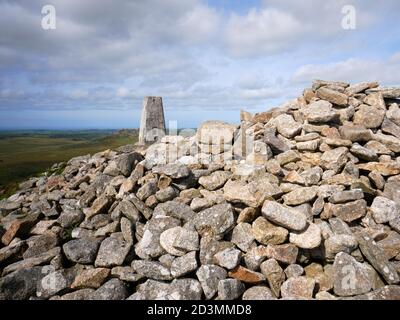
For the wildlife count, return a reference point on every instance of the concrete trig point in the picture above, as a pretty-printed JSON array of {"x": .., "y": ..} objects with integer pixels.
[{"x": 152, "y": 123}]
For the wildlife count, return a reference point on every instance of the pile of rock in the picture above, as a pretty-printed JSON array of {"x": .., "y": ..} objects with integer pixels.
[{"x": 298, "y": 202}]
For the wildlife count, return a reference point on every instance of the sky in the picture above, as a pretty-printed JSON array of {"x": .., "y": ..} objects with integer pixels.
[{"x": 206, "y": 59}]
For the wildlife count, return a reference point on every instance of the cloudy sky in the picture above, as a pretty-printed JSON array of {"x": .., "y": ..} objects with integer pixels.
[{"x": 207, "y": 59}]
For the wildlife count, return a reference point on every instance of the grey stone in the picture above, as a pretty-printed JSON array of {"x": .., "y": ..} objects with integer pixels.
[
  {"x": 228, "y": 258},
  {"x": 55, "y": 282},
  {"x": 350, "y": 211},
  {"x": 183, "y": 265},
  {"x": 151, "y": 269},
  {"x": 258, "y": 293},
  {"x": 377, "y": 258},
  {"x": 40, "y": 244},
  {"x": 216, "y": 220},
  {"x": 209, "y": 276},
  {"x": 113, "y": 289},
  {"x": 298, "y": 287},
  {"x": 267, "y": 233},
  {"x": 70, "y": 218},
  {"x": 32, "y": 262},
  {"x": 339, "y": 243},
  {"x": 307, "y": 239},
  {"x": 113, "y": 251},
  {"x": 230, "y": 289},
  {"x": 300, "y": 195},
  {"x": 284, "y": 216},
  {"x": 350, "y": 277},
  {"x": 294, "y": 270},
  {"x": 175, "y": 171},
  {"x": 185, "y": 289},
  {"x": 21, "y": 284},
  {"x": 243, "y": 237},
  {"x": 384, "y": 210},
  {"x": 82, "y": 251},
  {"x": 346, "y": 196},
  {"x": 274, "y": 274}
]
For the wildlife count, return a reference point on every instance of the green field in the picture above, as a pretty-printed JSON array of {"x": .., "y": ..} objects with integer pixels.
[{"x": 29, "y": 153}]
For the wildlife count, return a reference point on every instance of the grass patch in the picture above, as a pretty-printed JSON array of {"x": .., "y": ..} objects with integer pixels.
[{"x": 28, "y": 153}]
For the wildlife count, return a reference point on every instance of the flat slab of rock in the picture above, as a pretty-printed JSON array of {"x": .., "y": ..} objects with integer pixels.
[
  {"x": 113, "y": 251},
  {"x": 300, "y": 195},
  {"x": 216, "y": 220},
  {"x": 284, "y": 216},
  {"x": 377, "y": 258},
  {"x": 350, "y": 211}
]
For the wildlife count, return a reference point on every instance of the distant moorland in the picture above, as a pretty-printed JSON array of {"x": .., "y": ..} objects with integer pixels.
[{"x": 27, "y": 153}]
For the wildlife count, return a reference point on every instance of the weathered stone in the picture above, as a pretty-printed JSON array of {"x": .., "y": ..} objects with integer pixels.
[
  {"x": 378, "y": 259},
  {"x": 251, "y": 194},
  {"x": 369, "y": 116},
  {"x": 363, "y": 153},
  {"x": 287, "y": 126},
  {"x": 216, "y": 220},
  {"x": 113, "y": 289},
  {"x": 389, "y": 141},
  {"x": 346, "y": 196},
  {"x": 350, "y": 277},
  {"x": 391, "y": 244},
  {"x": 90, "y": 278},
  {"x": 267, "y": 233},
  {"x": 149, "y": 244},
  {"x": 187, "y": 240},
  {"x": 55, "y": 282},
  {"x": 350, "y": 211},
  {"x": 276, "y": 144},
  {"x": 247, "y": 276},
  {"x": 243, "y": 237},
  {"x": 319, "y": 112},
  {"x": 283, "y": 216},
  {"x": 307, "y": 239},
  {"x": 334, "y": 159},
  {"x": 285, "y": 253},
  {"x": 209, "y": 246},
  {"x": 258, "y": 293},
  {"x": 274, "y": 274},
  {"x": 209, "y": 276},
  {"x": 183, "y": 265},
  {"x": 384, "y": 210},
  {"x": 300, "y": 195},
  {"x": 167, "y": 239},
  {"x": 113, "y": 251},
  {"x": 21, "y": 284},
  {"x": 19, "y": 228},
  {"x": 298, "y": 287},
  {"x": 40, "y": 244},
  {"x": 355, "y": 133},
  {"x": 294, "y": 270},
  {"x": 214, "y": 181},
  {"x": 230, "y": 289},
  {"x": 175, "y": 171},
  {"x": 215, "y": 132},
  {"x": 228, "y": 258},
  {"x": 185, "y": 289},
  {"x": 339, "y": 243},
  {"x": 151, "y": 269},
  {"x": 323, "y": 279},
  {"x": 32, "y": 262},
  {"x": 125, "y": 274}
]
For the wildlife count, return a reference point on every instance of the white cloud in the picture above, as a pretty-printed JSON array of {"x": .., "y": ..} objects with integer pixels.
[
  {"x": 387, "y": 71},
  {"x": 261, "y": 32}
]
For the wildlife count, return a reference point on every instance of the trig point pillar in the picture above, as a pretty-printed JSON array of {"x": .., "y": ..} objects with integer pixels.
[{"x": 152, "y": 123}]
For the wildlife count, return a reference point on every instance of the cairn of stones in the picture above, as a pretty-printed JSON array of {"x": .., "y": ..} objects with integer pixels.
[{"x": 297, "y": 202}]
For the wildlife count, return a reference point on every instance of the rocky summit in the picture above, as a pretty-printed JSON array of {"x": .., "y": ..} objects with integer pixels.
[{"x": 298, "y": 202}]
